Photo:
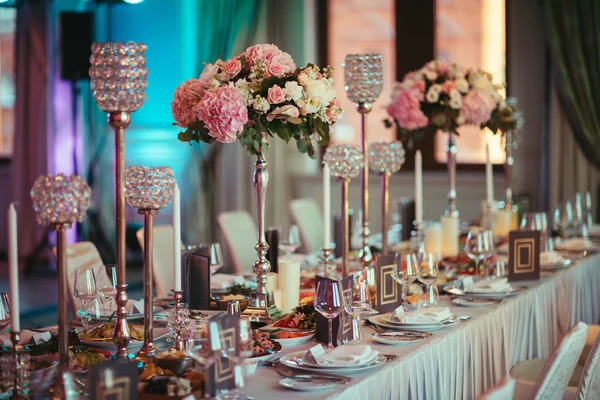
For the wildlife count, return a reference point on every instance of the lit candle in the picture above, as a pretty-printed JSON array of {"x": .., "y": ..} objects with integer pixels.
[
  {"x": 433, "y": 239},
  {"x": 13, "y": 267},
  {"x": 289, "y": 284},
  {"x": 489, "y": 177},
  {"x": 419, "y": 187},
  {"x": 450, "y": 233},
  {"x": 326, "y": 207},
  {"x": 177, "y": 237}
]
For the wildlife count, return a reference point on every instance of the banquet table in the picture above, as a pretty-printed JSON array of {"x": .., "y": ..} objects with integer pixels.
[{"x": 462, "y": 361}]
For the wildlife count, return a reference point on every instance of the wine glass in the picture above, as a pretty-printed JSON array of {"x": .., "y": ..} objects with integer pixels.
[
  {"x": 407, "y": 272},
  {"x": 292, "y": 243},
  {"x": 4, "y": 311},
  {"x": 476, "y": 247},
  {"x": 85, "y": 290},
  {"x": 329, "y": 302},
  {"x": 203, "y": 341},
  {"x": 106, "y": 286},
  {"x": 216, "y": 258},
  {"x": 428, "y": 275},
  {"x": 357, "y": 302}
]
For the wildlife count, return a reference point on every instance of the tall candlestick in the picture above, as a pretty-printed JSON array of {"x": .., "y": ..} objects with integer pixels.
[
  {"x": 326, "y": 206},
  {"x": 489, "y": 177},
  {"x": 419, "y": 187},
  {"x": 13, "y": 266},
  {"x": 177, "y": 237}
]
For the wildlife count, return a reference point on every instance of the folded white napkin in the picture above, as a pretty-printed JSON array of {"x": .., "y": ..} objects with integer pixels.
[
  {"x": 575, "y": 244},
  {"x": 138, "y": 307},
  {"x": 347, "y": 356},
  {"x": 489, "y": 286},
  {"x": 550, "y": 258},
  {"x": 423, "y": 316},
  {"x": 223, "y": 281}
]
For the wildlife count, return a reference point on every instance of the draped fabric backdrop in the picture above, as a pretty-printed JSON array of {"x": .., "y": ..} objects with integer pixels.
[{"x": 31, "y": 140}]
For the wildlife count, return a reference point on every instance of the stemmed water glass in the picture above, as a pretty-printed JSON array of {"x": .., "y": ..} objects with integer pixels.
[
  {"x": 329, "y": 302},
  {"x": 357, "y": 302},
  {"x": 477, "y": 247},
  {"x": 106, "y": 286},
  {"x": 4, "y": 311},
  {"x": 85, "y": 290},
  {"x": 292, "y": 242},
  {"x": 429, "y": 272},
  {"x": 407, "y": 272},
  {"x": 216, "y": 258}
]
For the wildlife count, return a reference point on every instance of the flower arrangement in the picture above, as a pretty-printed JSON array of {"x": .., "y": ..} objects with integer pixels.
[
  {"x": 257, "y": 93},
  {"x": 444, "y": 96}
]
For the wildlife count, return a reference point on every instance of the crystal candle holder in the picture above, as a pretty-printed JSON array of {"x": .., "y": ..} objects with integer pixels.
[
  {"x": 148, "y": 189},
  {"x": 118, "y": 76},
  {"x": 385, "y": 159},
  {"x": 59, "y": 201},
  {"x": 345, "y": 163}
]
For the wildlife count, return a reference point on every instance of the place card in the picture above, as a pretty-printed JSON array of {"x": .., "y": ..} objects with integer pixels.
[
  {"x": 322, "y": 330},
  {"x": 224, "y": 330},
  {"x": 389, "y": 295},
  {"x": 114, "y": 381},
  {"x": 523, "y": 255},
  {"x": 314, "y": 354},
  {"x": 41, "y": 337},
  {"x": 197, "y": 282}
]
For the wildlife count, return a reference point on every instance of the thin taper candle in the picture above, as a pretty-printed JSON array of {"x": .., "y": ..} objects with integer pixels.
[
  {"x": 489, "y": 177},
  {"x": 326, "y": 206},
  {"x": 13, "y": 266},
  {"x": 419, "y": 187},
  {"x": 177, "y": 237}
]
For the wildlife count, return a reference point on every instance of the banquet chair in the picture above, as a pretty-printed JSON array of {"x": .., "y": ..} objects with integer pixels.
[
  {"x": 548, "y": 379},
  {"x": 504, "y": 390},
  {"x": 592, "y": 334},
  {"x": 589, "y": 382},
  {"x": 162, "y": 258},
  {"x": 307, "y": 215},
  {"x": 79, "y": 255},
  {"x": 240, "y": 231}
]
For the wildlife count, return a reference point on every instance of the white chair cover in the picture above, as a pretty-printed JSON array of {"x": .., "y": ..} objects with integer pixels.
[
  {"x": 504, "y": 390},
  {"x": 554, "y": 377},
  {"x": 79, "y": 255},
  {"x": 589, "y": 385},
  {"x": 240, "y": 232},
  {"x": 162, "y": 256},
  {"x": 307, "y": 214}
]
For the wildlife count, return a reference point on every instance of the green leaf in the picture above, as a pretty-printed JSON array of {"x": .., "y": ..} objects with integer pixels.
[
  {"x": 268, "y": 83},
  {"x": 302, "y": 146},
  {"x": 294, "y": 120},
  {"x": 388, "y": 124},
  {"x": 311, "y": 152}
]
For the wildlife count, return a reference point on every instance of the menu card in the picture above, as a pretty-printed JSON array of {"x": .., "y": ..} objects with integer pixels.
[
  {"x": 322, "y": 330},
  {"x": 115, "y": 380},
  {"x": 222, "y": 374},
  {"x": 388, "y": 296},
  {"x": 523, "y": 255},
  {"x": 197, "y": 279},
  {"x": 406, "y": 208}
]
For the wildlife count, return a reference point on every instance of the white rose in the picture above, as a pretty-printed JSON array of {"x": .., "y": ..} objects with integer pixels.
[
  {"x": 303, "y": 79},
  {"x": 462, "y": 85},
  {"x": 293, "y": 90},
  {"x": 437, "y": 87},
  {"x": 431, "y": 75},
  {"x": 261, "y": 104},
  {"x": 432, "y": 95},
  {"x": 214, "y": 83},
  {"x": 455, "y": 95},
  {"x": 460, "y": 119},
  {"x": 455, "y": 103},
  {"x": 479, "y": 81},
  {"x": 209, "y": 72},
  {"x": 309, "y": 106}
]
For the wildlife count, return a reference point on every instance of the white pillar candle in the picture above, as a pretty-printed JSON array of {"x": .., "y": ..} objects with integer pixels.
[
  {"x": 450, "y": 233},
  {"x": 489, "y": 176},
  {"x": 13, "y": 267},
  {"x": 419, "y": 187},
  {"x": 514, "y": 221},
  {"x": 326, "y": 207},
  {"x": 272, "y": 282},
  {"x": 277, "y": 298},
  {"x": 177, "y": 237},
  {"x": 289, "y": 284},
  {"x": 433, "y": 239},
  {"x": 502, "y": 223}
]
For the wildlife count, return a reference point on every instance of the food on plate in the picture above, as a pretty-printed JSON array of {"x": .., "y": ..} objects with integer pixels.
[
  {"x": 232, "y": 297},
  {"x": 264, "y": 346},
  {"x": 301, "y": 317},
  {"x": 169, "y": 385},
  {"x": 82, "y": 358},
  {"x": 239, "y": 290},
  {"x": 104, "y": 332},
  {"x": 288, "y": 335},
  {"x": 197, "y": 314},
  {"x": 36, "y": 364},
  {"x": 158, "y": 379}
]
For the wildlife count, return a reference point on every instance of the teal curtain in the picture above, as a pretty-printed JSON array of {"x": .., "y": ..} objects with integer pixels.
[{"x": 574, "y": 36}]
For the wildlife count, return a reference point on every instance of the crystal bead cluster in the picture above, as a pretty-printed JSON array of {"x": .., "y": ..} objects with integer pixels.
[
  {"x": 363, "y": 75},
  {"x": 149, "y": 188},
  {"x": 345, "y": 161},
  {"x": 60, "y": 199},
  {"x": 386, "y": 158},
  {"x": 119, "y": 75}
]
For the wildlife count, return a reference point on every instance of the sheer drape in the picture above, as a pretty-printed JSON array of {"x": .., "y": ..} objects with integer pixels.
[{"x": 31, "y": 140}]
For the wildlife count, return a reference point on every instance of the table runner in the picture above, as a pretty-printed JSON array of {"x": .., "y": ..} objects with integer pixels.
[{"x": 462, "y": 361}]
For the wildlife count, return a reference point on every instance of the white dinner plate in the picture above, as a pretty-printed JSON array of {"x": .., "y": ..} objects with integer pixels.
[
  {"x": 159, "y": 313},
  {"x": 266, "y": 357},
  {"x": 514, "y": 290},
  {"x": 560, "y": 265},
  {"x": 322, "y": 367},
  {"x": 394, "y": 341},
  {"x": 110, "y": 345},
  {"x": 289, "y": 361},
  {"x": 463, "y": 302},
  {"x": 306, "y": 386},
  {"x": 388, "y": 318},
  {"x": 295, "y": 341},
  {"x": 379, "y": 320}
]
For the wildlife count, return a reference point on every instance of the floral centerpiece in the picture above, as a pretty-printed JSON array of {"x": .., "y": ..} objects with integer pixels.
[
  {"x": 259, "y": 92},
  {"x": 444, "y": 96}
]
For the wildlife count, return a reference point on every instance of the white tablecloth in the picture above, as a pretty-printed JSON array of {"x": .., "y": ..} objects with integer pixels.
[{"x": 462, "y": 361}]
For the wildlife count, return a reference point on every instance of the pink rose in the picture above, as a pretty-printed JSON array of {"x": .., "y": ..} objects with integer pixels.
[
  {"x": 477, "y": 107},
  {"x": 260, "y": 52},
  {"x": 224, "y": 113},
  {"x": 276, "y": 95},
  {"x": 283, "y": 112},
  {"x": 420, "y": 84},
  {"x": 406, "y": 109},
  {"x": 447, "y": 86},
  {"x": 334, "y": 112},
  {"x": 209, "y": 71},
  {"x": 185, "y": 99},
  {"x": 443, "y": 67},
  {"x": 275, "y": 70},
  {"x": 232, "y": 67}
]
